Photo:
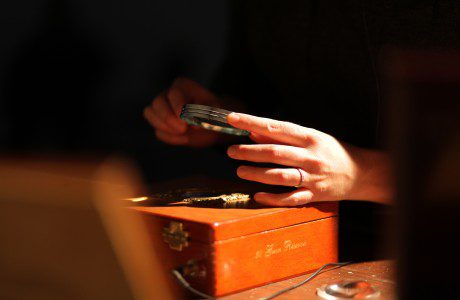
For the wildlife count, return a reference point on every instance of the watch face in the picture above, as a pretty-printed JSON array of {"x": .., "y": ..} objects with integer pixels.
[{"x": 209, "y": 118}]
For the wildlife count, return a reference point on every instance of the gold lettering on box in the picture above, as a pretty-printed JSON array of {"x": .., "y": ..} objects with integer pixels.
[
  {"x": 273, "y": 249},
  {"x": 289, "y": 245}
]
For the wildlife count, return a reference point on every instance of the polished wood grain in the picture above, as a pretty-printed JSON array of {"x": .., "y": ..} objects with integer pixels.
[
  {"x": 247, "y": 261},
  {"x": 243, "y": 247},
  {"x": 252, "y": 260},
  {"x": 230, "y": 223}
]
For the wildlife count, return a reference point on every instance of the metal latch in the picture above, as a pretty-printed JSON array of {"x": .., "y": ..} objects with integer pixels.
[
  {"x": 194, "y": 269},
  {"x": 176, "y": 236}
]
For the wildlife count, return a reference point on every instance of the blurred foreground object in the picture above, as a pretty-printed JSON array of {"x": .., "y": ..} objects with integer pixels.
[
  {"x": 65, "y": 234},
  {"x": 424, "y": 91}
]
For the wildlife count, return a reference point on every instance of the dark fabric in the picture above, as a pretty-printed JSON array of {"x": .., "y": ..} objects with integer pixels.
[{"x": 316, "y": 63}]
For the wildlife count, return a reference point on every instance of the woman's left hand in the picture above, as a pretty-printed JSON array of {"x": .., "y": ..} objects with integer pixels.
[{"x": 321, "y": 167}]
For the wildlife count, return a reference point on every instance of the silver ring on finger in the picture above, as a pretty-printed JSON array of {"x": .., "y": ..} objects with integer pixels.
[{"x": 300, "y": 184}]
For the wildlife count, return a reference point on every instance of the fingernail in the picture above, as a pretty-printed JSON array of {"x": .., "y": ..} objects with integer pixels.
[
  {"x": 258, "y": 196},
  {"x": 233, "y": 117},
  {"x": 231, "y": 151},
  {"x": 241, "y": 170}
]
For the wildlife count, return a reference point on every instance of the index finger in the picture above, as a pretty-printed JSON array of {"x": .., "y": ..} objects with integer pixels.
[{"x": 285, "y": 132}]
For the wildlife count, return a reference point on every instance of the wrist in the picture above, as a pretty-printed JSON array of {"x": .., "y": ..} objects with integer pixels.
[{"x": 373, "y": 177}]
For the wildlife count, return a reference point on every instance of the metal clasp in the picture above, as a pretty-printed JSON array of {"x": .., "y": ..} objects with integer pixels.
[
  {"x": 194, "y": 269},
  {"x": 176, "y": 236}
]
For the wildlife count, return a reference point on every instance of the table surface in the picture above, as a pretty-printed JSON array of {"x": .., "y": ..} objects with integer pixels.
[{"x": 380, "y": 274}]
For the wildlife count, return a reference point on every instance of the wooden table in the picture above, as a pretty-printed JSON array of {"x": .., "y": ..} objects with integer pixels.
[{"x": 378, "y": 273}]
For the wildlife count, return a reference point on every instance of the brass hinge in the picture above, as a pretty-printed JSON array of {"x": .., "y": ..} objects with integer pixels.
[
  {"x": 176, "y": 236},
  {"x": 193, "y": 269}
]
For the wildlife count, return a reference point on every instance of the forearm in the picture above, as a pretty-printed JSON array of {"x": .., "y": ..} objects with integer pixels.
[{"x": 375, "y": 178}]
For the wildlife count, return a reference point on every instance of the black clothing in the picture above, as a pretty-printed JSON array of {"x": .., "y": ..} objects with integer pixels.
[{"x": 316, "y": 63}]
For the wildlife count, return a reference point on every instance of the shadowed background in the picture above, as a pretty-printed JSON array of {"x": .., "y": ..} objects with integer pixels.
[{"x": 75, "y": 76}]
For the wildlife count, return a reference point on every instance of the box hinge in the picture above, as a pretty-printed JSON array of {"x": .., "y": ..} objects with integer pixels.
[
  {"x": 176, "y": 236},
  {"x": 194, "y": 269}
]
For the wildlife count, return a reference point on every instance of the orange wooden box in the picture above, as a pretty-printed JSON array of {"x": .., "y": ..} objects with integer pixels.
[{"x": 222, "y": 251}]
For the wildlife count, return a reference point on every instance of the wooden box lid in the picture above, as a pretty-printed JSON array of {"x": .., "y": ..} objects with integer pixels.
[{"x": 217, "y": 224}]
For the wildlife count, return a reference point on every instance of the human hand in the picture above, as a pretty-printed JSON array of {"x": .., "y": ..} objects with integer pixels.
[
  {"x": 164, "y": 114},
  {"x": 321, "y": 167}
]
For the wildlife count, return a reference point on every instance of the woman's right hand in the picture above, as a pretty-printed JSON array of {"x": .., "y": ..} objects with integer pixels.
[{"x": 164, "y": 114}]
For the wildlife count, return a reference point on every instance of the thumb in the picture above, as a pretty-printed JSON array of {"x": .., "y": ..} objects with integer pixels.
[{"x": 184, "y": 90}]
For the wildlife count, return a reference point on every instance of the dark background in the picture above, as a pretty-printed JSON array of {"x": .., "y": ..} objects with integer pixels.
[{"x": 75, "y": 76}]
